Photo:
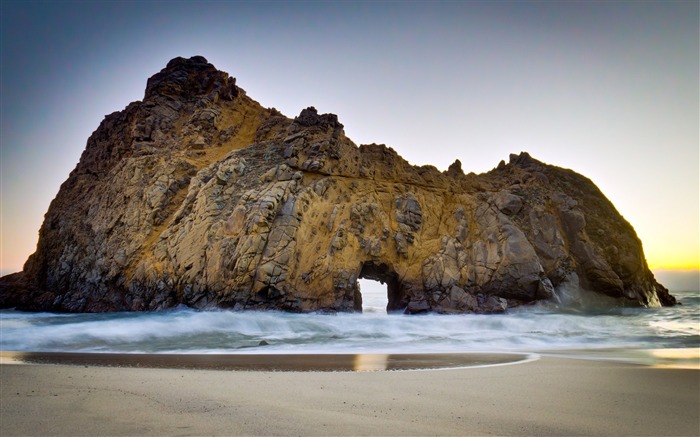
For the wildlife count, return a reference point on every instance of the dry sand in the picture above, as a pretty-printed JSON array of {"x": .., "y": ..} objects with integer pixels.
[{"x": 549, "y": 396}]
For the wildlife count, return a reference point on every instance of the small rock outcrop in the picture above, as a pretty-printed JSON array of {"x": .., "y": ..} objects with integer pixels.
[{"x": 198, "y": 195}]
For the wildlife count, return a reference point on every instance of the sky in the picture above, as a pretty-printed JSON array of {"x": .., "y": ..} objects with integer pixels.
[{"x": 609, "y": 89}]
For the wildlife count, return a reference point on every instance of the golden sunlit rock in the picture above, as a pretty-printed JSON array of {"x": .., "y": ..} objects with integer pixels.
[{"x": 198, "y": 195}]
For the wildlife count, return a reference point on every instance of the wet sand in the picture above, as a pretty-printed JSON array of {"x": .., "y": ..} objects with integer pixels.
[
  {"x": 548, "y": 396},
  {"x": 269, "y": 362}
]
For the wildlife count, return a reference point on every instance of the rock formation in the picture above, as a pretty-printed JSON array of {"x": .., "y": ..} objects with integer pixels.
[{"x": 198, "y": 195}]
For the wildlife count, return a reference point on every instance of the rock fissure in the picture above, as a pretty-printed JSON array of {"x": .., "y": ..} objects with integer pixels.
[{"x": 198, "y": 195}]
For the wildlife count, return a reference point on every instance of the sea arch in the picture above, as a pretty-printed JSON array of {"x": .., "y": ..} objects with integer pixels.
[{"x": 384, "y": 273}]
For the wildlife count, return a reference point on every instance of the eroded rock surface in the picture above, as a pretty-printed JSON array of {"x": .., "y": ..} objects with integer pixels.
[{"x": 198, "y": 195}]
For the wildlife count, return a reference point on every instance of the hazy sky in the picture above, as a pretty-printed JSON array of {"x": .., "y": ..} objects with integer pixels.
[{"x": 609, "y": 89}]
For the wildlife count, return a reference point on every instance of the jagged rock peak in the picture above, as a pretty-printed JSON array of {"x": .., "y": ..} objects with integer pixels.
[
  {"x": 198, "y": 195},
  {"x": 523, "y": 160},
  {"x": 311, "y": 117},
  {"x": 455, "y": 169},
  {"x": 189, "y": 78}
]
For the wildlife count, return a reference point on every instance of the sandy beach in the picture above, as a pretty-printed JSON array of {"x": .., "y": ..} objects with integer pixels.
[{"x": 547, "y": 396}]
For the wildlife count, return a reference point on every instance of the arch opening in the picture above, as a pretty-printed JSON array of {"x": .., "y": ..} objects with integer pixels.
[
  {"x": 373, "y": 295},
  {"x": 384, "y": 274}
]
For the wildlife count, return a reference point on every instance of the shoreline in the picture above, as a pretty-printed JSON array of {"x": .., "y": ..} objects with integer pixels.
[
  {"x": 670, "y": 358},
  {"x": 553, "y": 395},
  {"x": 331, "y": 362}
]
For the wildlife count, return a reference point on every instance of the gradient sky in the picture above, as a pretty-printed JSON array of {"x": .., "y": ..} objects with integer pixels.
[{"x": 609, "y": 89}]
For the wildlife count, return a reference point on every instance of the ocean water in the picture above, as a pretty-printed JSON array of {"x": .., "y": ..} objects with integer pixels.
[{"x": 527, "y": 329}]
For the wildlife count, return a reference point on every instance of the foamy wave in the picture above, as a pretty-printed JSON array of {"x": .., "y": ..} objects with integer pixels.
[{"x": 189, "y": 331}]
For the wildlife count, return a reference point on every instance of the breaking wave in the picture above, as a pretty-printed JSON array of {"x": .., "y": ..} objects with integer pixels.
[{"x": 191, "y": 331}]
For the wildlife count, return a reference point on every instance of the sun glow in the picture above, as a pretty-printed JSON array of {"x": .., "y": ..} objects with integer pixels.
[
  {"x": 683, "y": 358},
  {"x": 673, "y": 263},
  {"x": 672, "y": 250}
]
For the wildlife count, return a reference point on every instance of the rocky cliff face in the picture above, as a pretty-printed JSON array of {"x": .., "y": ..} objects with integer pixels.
[{"x": 197, "y": 195}]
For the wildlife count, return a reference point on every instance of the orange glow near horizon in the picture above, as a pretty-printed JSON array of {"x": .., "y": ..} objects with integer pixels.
[
  {"x": 682, "y": 259},
  {"x": 678, "y": 265}
]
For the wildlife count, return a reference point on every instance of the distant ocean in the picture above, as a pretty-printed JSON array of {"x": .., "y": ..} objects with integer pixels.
[{"x": 621, "y": 333}]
